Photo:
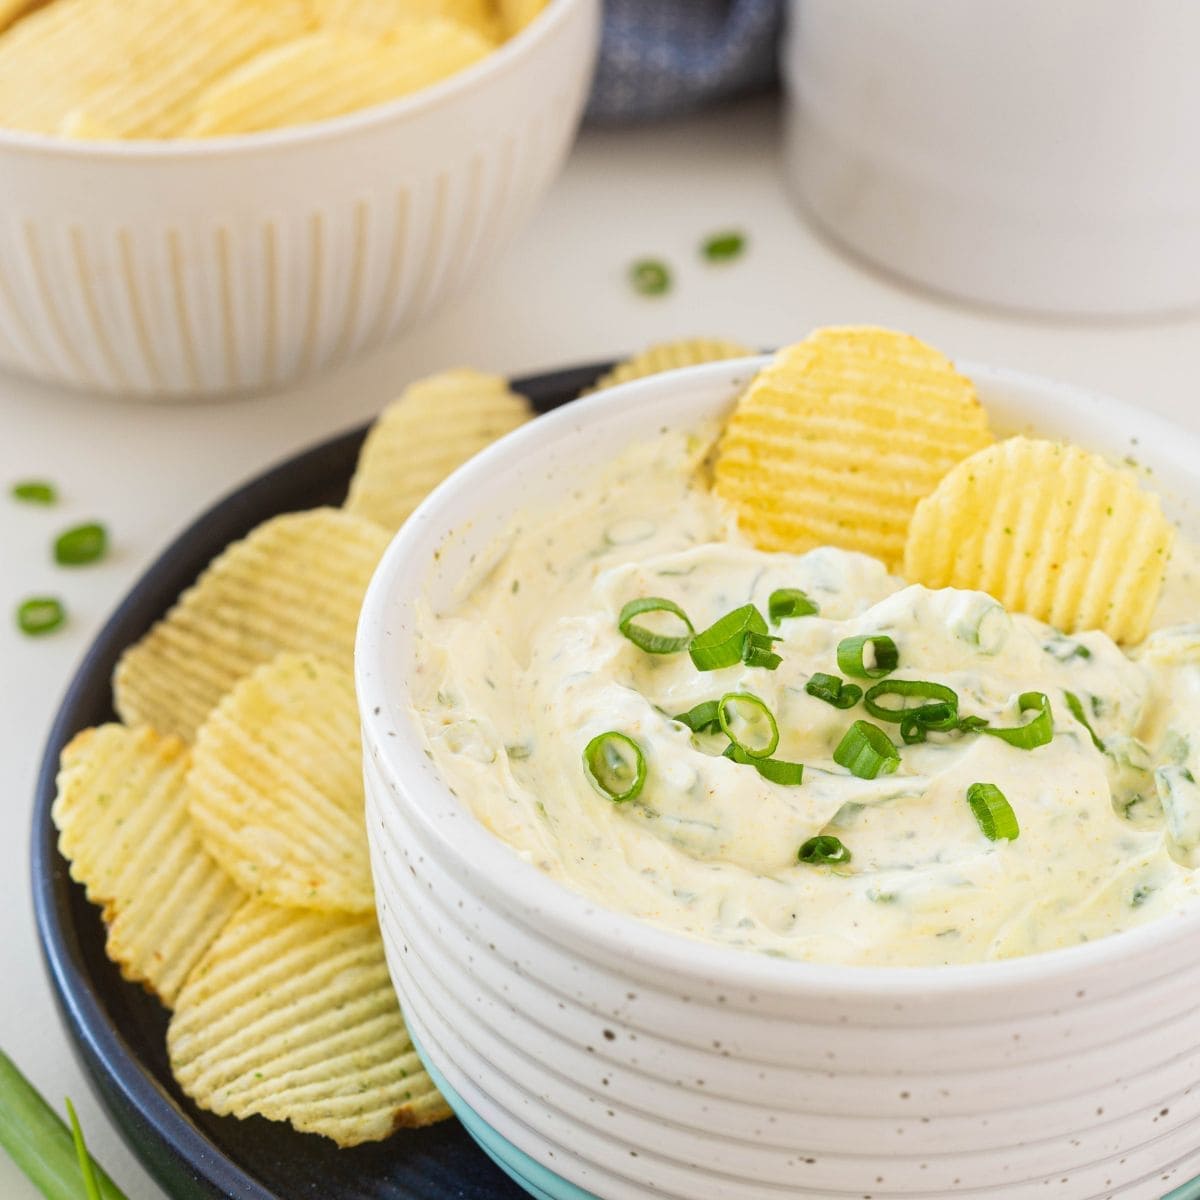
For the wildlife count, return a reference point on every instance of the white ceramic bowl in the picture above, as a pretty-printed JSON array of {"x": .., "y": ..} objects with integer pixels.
[
  {"x": 171, "y": 269},
  {"x": 631, "y": 1062}
]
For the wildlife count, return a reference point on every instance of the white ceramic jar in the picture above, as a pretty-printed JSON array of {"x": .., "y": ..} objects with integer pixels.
[
  {"x": 1042, "y": 157},
  {"x": 629, "y": 1062}
]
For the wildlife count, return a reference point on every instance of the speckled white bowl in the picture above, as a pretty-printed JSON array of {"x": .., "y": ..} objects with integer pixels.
[
  {"x": 179, "y": 269},
  {"x": 631, "y": 1062}
]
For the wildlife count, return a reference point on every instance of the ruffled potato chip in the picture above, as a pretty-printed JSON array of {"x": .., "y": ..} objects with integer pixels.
[
  {"x": 434, "y": 427},
  {"x": 123, "y": 823},
  {"x": 516, "y": 14},
  {"x": 375, "y": 17},
  {"x": 670, "y": 356},
  {"x": 836, "y": 441},
  {"x": 1047, "y": 529},
  {"x": 276, "y": 787},
  {"x": 291, "y": 1016},
  {"x": 295, "y": 583}
]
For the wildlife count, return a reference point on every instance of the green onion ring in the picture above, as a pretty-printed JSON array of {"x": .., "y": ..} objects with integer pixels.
[
  {"x": 941, "y": 714},
  {"x": 866, "y": 751},
  {"x": 80, "y": 545},
  {"x": 790, "y": 602},
  {"x": 993, "y": 812},
  {"x": 853, "y": 653},
  {"x": 34, "y": 491},
  {"x": 650, "y": 277},
  {"x": 39, "y": 615},
  {"x": 703, "y": 718},
  {"x": 824, "y": 850},
  {"x": 760, "y": 710},
  {"x": 644, "y": 639},
  {"x": 775, "y": 770},
  {"x": 724, "y": 643},
  {"x": 833, "y": 690},
  {"x": 608, "y": 769},
  {"x": 1038, "y": 732}
]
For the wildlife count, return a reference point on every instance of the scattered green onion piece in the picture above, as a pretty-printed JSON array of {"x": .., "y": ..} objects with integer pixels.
[
  {"x": 757, "y": 652},
  {"x": 751, "y": 711},
  {"x": 993, "y": 812},
  {"x": 645, "y": 639},
  {"x": 81, "y": 1153},
  {"x": 1037, "y": 732},
  {"x": 824, "y": 850},
  {"x": 790, "y": 602},
  {"x": 723, "y": 246},
  {"x": 866, "y": 751},
  {"x": 80, "y": 545},
  {"x": 941, "y": 713},
  {"x": 776, "y": 770},
  {"x": 1077, "y": 712},
  {"x": 704, "y": 718},
  {"x": 650, "y": 277},
  {"x": 833, "y": 690},
  {"x": 869, "y": 656},
  {"x": 971, "y": 724},
  {"x": 34, "y": 491},
  {"x": 39, "y": 1141},
  {"x": 608, "y": 766},
  {"x": 39, "y": 615},
  {"x": 724, "y": 643}
]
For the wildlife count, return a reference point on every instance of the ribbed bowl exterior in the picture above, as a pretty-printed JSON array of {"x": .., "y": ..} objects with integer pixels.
[
  {"x": 175, "y": 270},
  {"x": 635, "y": 1064}
]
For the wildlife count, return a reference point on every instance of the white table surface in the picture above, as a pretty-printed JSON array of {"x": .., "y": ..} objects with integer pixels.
[{"x": 559, "y": 296}]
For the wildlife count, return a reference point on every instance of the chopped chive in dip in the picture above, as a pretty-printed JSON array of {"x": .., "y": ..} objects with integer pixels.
[
  {"x": 615, "y": 766},
  {"x": 1073, "y": 703},
  {"x": 739, "y": 636},
  {"x": 866, "y": 751},
  {"x": 724, "y": 246},
  {"x": 646, "y": 639},
  {"x": 650, "y": 277},
  {"x": 869, "y": 656},
  {"x": 34, "y": 491},
  {"x": 748, "y": 723},
  {"x": 992, "y": 810},
  {"x": 833, "y": 690},
  {"x": 774, "y": 770},
  {"x": 790, "y": 602},
  {"x": 1038, "y": 732},
  {"x": 824, "y": 850},
  {"x": 81, "y": 545},
  {"x": 39, "y": 615}
]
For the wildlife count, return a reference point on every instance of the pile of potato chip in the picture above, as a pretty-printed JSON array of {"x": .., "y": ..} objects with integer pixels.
[
  {"x": 202, "y": 68},
  {"x": 220, "y": 825}
]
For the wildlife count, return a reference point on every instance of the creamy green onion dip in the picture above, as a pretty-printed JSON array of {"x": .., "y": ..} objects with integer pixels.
[{"x": 516, "y": 678}]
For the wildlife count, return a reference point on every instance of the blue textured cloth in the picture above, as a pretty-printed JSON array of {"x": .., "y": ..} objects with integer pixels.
[{"x": 661, "y": 57}]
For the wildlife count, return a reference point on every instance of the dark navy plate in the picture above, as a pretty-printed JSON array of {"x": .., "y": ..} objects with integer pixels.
[{"x": 118, "y": 1030}]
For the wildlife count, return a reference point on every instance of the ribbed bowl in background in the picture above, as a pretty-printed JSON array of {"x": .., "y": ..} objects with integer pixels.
[
  {"x": 177, "y": 269},
  {"x": 630, "y": 1062}
]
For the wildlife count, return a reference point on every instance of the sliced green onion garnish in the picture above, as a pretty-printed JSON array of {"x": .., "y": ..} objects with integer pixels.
[
  {"x": 34, "y": 491},
  {"x": 866, "y": 751},
  {"x": 1077, "y": 712},
  {"x": 790, "y": 602},
  {"x": 776, "y": 770},
  {"x": 83, "y": 544},
  {"x": 757, "y": 652},
  {"x": 724, "y": 643},
  {"x": 723, "y": 246},
  {"x": 748, "y": 723},
  {"x": 993, "y": 812},
  {"x": 971, "y": 724},
  {"x": 40, "y": 614},
  {"x": 81, "y": 1153},
  {"x": 645, "y": 639},
  {"x": 938, "y": 710},
  {"x": 650, "y": 277},
  {"x": 1037, "y": 732},
  {"x": 870, "y": 656},
  {"x": 615, "y": 766},
  {"x": 833, "y": 690},
  {"x": 915, "y": 723},
  {"x": 823, "y": 850},
  {"x": 704, "y": 718}
]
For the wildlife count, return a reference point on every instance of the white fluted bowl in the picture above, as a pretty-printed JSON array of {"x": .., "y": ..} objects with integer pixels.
[
  {"x": 171, "y": 269},
  {"x": 609, "y": 1058}
]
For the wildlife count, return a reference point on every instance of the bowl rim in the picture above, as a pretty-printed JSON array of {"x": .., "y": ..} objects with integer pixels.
[
  {"x": 573, "y": 919},
  {"x": 497, "y": 61}
]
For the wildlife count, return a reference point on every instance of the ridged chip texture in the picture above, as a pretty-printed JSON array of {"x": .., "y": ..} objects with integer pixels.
[
  {"x": 331, "y": 72},
  {"x": 670, "y": 356},
  {"x": 1047, "y": 529},
  {"x": 374, "y": 17},
  {"x": 124, "y": 826},
  {"x": 276, "y": 786},
  {"x": 12, "y": 10},
  {"x": 835, "y": 442},
  {"x": 136, "y": 67},
  {"x": 292, "y": 1016},
  {"x": 434, "y": 427},
  {"x": 295, "y": 583}
]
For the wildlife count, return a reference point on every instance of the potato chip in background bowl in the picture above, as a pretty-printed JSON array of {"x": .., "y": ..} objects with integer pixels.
[{"x": 175, "y": 269}]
